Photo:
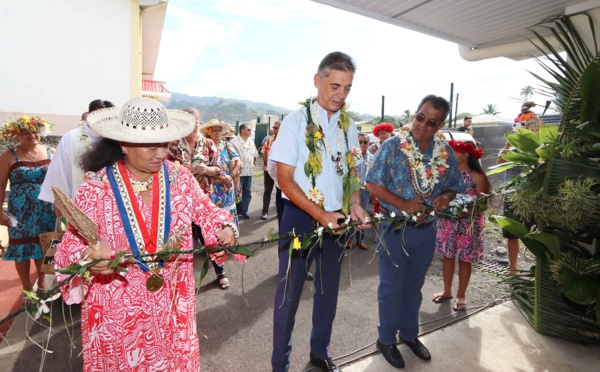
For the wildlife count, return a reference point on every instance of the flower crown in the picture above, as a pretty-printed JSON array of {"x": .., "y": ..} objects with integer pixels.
[
  {"x": 468, "y": 147},
  {"x": 25, "y": 124}
]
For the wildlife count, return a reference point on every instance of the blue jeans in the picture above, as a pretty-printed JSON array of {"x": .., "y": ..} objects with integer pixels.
[
  {"x": 401, "y": 278},
  {"x": 246, "y": 186},
  {"x": 328, "y": 262}
]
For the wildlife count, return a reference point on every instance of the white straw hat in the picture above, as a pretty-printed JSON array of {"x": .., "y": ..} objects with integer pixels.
[
  {"x": 141, "y": 120},
  {"x": 215, "y": 123}
]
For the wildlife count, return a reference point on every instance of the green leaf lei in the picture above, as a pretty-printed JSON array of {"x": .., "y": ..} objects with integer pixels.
[{"x": 315, "y": 141}]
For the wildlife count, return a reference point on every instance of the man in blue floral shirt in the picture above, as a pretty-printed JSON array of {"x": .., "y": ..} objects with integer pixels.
[{"x": 414, "y": 174}]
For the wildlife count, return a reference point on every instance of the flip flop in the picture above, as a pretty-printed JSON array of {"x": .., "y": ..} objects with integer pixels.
[
  {"x": 459, "y": 306},
  {"x": 439, "y": 298}
]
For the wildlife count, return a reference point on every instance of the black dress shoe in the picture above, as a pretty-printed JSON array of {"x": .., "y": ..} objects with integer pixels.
[
  {"x": 326, "y": 365},
  {"x": 418, "y": 348},
  {"x": 309, "y": 276},
  {"x": 391, "y": 354}
]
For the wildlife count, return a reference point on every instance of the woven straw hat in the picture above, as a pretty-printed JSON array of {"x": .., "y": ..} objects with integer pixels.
[
  {"x": 229, "y": 134},
  {"x": 141, "y": 120},
  {"x": 215, "y": 123}
]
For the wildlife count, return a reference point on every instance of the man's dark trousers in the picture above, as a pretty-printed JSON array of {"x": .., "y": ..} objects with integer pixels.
[{"x": 328, "y": 261}]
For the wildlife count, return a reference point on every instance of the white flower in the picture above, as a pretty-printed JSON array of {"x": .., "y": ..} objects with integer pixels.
[
  {"x": 43, "y": 307},
  {"x": 414, "y": 218},
  {"x": 315, "y": 196},
  {"x": 378, "y": 216},
  {"x": 330, "y": 225},
  {"x": 393, "y": 214},
  {"x": 432, "y": 213},
  {"x": 320, "y": 231},
  {"x": 367, "y": 219}
]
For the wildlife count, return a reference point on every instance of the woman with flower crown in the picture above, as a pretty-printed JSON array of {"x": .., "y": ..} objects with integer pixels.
[
  {"x": 462, "y": 238},
  {"x": 415, "y": 175},
  {"x": 25, "y": 166},
  {"x": 143, "y": 318}
]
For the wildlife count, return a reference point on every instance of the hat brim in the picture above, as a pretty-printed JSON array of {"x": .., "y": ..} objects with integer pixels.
[
  {"x": 224, "y": 127},
  {"x": 106, "y": 123}
]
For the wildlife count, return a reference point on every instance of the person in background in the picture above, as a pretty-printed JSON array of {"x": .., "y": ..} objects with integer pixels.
[
  {"x": 26, "y": 166},
  {"x": 268, "y": 180},
  {"x": 223, "y": 194},
  {"x": 383, "y": 132},
  {"x": 412, "y": 172},
  {"x": 362, "y": 169},
  {"x": 270, "y": 133},
  {"x": 303, "y": 212},
  {"x": 466, "y": 127},
  {"x": 145, "y": 317},
  {"x": 525, "y": 113},
  {"x": 201, "y": 157},
  {"x": 248, "y": 154},
  {"x": 462, "y": 238},
  {"x": 65, "y": 171}
]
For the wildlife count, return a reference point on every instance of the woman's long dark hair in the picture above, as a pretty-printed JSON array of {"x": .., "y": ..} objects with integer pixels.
[
  {"x": 101, "y": 154},
  {"x": 474, "y": 164}
]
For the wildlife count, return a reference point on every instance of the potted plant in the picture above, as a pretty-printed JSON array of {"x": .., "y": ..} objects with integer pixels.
[{"x": 559, "y": 186}]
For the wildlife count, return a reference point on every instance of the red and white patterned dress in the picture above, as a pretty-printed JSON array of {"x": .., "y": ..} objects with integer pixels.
[{"x": 124, "y": 326}]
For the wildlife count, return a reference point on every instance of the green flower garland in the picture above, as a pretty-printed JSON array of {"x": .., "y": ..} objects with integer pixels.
[{"x": 315, "y": 141}]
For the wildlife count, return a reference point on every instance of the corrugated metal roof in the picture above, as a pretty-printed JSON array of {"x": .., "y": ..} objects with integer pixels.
[
  {"x": 155, "y": 89},
  {"x": 470, "y": 23}
]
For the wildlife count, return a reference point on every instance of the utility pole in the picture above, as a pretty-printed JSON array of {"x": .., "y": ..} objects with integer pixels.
[
  {"x": 382, "y": 108},
  {"x": 451, "y": 96},
  {"x": 456, "y": 112}
]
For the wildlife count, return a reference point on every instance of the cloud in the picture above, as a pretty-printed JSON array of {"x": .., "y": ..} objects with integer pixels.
[
  {"x": 258, "y": 82},
  {"x": 186, "y": 37}
]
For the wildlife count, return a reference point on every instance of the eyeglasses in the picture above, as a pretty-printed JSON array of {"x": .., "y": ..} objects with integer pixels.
[
  {"x": 363, "y": 142},
  {"x": 430, "y": 123}
]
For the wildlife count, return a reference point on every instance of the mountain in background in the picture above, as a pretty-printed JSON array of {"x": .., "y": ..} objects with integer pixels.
[
  {"x": 219, "y": 104},
  {"x": 233, "y": 109}
]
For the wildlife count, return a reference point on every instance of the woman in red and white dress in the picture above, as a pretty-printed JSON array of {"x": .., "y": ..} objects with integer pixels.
[{"x": 142, "y": 319}]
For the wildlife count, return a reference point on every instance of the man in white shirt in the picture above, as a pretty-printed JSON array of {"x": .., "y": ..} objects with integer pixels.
[
  {"x": 248, "y": 155},
  {"x": 64, "y": 171},
  {"x": 327, "y": 116}
]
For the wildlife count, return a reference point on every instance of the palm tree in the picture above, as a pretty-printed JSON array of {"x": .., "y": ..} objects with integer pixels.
[
  {"x": 491, "y": 109},
  {"x": 560, "y": 189},
  {"x": 406, "y": 117},
  {"x": 526, "y": 92}
]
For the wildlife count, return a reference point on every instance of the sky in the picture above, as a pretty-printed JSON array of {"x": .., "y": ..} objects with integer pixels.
[{"x": 269, "y": 50}]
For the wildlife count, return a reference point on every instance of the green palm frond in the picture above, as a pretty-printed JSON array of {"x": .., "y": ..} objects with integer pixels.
[{"x": 566, "y": 72}]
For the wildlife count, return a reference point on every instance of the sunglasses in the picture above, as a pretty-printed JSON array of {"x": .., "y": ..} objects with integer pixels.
[
  {"x": 363, "y": 142},
  {"x": 430, "y": 123}
]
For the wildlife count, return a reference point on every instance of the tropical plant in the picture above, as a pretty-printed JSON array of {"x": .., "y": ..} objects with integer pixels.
[
  {"x": 406, "y": 117},
  {"x": 559, "y": 186},
  {"x": 491, "y": 109},
  {"x": 387, "y": 119},
  {"x": 526, "y": 92}
]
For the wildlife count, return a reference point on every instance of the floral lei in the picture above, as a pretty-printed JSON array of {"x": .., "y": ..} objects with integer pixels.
[
  {"x": 424, "y": 175},
  {"x": 315, "y": 141},
  {"x": 25, "y": 124}
]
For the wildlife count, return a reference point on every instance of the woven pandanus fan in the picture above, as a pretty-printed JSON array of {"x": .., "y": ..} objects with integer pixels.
[{"x": 84, "y": 225}]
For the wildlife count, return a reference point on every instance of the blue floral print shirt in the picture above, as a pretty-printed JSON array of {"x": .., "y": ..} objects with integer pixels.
[{"x": 391, "y": 169}]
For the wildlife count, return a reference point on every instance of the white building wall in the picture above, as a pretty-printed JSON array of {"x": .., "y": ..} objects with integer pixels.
[{"x": 57, "y": 56}]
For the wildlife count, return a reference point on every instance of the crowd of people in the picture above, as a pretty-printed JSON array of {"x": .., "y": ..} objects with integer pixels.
[{"x": 158, "y": 179}]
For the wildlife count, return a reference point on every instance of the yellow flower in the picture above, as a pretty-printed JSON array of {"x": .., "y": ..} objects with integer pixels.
[
  {"x": 296, "y": 243},
  {"x": 318, "y": 135}
]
